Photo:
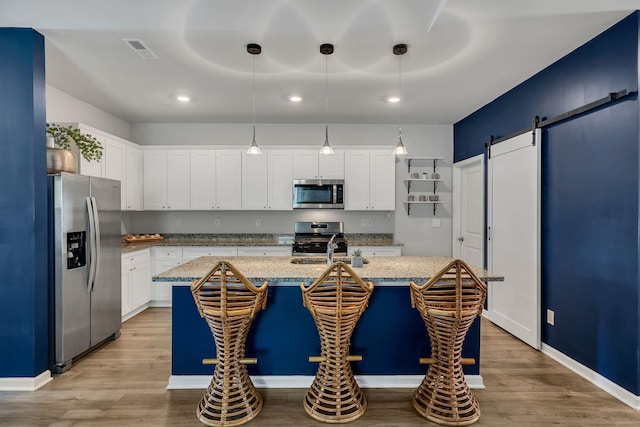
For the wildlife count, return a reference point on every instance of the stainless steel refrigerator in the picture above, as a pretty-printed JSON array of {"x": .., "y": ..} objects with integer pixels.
[{"x": 85, "y": 264}]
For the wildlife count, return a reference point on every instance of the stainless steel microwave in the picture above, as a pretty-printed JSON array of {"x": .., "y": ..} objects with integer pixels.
[{"x": 318, "y": 194}]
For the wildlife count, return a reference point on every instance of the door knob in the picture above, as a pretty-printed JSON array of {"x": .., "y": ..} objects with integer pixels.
[{"x": 460, "y": 239}]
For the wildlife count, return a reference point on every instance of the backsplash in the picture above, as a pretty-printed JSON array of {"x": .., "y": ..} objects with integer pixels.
[{"x": 224, "y": 222}]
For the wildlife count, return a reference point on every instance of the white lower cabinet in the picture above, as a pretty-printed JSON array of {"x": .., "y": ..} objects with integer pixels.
[
  {"x": 378, "y": 250},
  {"x": 264, "y": 251},
  {"x": 135, "y": 282},
  {"x": 164, "y": 258}
]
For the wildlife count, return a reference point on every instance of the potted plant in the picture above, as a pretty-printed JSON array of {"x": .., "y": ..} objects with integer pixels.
[
  {"x": 63, "y": 136},
  {"x": 356, "y": 258}
]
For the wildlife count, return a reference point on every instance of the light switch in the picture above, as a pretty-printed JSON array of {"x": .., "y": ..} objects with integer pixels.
[{"x": 435, "y": 223}]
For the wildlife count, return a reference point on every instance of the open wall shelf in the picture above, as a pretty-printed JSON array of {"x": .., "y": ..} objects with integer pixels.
[{"x": 423, "y": 164}]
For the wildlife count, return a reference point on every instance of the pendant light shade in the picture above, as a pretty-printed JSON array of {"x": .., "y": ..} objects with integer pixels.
[
  {"x": 399, "y": 50},
  {"x": 326, "y": 149},
  {"x": 254, "y": 49},
  {"x": 326, "y": 49}
]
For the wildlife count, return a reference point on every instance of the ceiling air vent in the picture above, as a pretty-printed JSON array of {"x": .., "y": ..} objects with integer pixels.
[{"x": 140, "y": 48}]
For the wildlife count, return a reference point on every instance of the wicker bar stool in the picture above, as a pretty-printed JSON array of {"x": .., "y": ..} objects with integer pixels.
[
  {"x": 448, "y": 303},
  {"x": 229, "y": 303},
  {"x": 336, "y": 300}
]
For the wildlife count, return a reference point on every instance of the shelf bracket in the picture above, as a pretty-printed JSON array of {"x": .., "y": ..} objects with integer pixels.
[
  {"x": 435, "y": 206},
  {"x": 435, "y": 186},
  {"x": 435, "y": 164},
  {"x": 409, "y": 165}
]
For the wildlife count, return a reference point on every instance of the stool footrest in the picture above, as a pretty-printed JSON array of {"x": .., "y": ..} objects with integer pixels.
[
  {"x": 463, "y": 361},
  {"x": 243, "y": 361},
  {"x": 350, "y": 358}
]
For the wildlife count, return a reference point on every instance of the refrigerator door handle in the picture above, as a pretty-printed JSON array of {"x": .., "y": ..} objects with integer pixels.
[
  {"x": 96, "y": 240},
  {"x": 91, "y": 255}
]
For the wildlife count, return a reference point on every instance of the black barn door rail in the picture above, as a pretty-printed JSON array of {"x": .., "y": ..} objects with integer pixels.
[{"x": 537, "y": 123}]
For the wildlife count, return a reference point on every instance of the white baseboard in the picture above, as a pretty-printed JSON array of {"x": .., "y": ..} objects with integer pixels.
[
  {"x": 598, "y": 380},
  {"x": 304, "y": 381},
  {"x": 25, "y": 383},
  {"x": 160, "y": 303},
  {"x": 135, "y": 312}
]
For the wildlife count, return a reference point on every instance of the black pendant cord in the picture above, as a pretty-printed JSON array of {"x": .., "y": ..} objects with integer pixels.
[
  {"x": 399, "y": 95},
  {"x": 254, "y": 97},
  {"x": 326, "y": 96},
  {"x": 613, "y": 97}
]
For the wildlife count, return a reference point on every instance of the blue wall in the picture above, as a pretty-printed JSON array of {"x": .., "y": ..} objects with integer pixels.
[
  {"x": 23, "y": 218},
  {"x": 590, "y": 197}
]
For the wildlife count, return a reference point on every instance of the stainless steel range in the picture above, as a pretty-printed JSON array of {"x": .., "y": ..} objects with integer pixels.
[{"x": 311, "y": 238}]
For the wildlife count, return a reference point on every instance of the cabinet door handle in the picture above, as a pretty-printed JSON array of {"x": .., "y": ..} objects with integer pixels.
[{"x": 460, "y": 239}]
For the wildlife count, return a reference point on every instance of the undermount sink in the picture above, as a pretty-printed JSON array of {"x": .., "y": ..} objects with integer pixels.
[{"x": 323, "y": 260}]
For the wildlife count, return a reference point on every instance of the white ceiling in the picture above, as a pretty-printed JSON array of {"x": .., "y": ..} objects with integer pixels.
[{"x": 462, "y": 54}]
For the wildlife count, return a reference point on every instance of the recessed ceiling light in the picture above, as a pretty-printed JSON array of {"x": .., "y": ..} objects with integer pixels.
[
  {"x": 295, "y": 98},
  {"x": 183, "y": 98},
  {"x": 393, "y": 99}
]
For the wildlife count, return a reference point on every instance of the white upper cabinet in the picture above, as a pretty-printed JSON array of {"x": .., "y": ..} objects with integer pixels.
[
  {"x": 356, "y": 180},
  {"x": 229, "y": 179},
  {"x": 280, "y": 180},
  {"x": 369, "y": 180},
  {"x": 310, "y": 164},
  {"x": 95, "y": 167},
  {"x": 121, "y": 160},
  {"x": 133, "y": 175},
  {"x": 203, "y": 180},
  {"x": 154, "y": 180},
  {"x": 166, "y": 179},
  {"x": 382, "y": 189},
  {"x": 267, "y": 181},
  {"x": 178, "y": 180},
  {"x": 331, "y": 166},
  {"x": 114, "y": 157},
  {"x": 254, "y": 182}
]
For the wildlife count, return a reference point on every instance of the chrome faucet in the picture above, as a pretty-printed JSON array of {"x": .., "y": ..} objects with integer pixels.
[{"x": 330, "y": 248}]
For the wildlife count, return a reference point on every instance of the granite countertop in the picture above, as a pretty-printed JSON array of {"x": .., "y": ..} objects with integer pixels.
[
  {"x": 398, "y": 270},
  {"x": 373, "y": 239}
]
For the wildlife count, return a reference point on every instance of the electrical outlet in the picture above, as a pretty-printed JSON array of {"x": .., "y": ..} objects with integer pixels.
[
  {"x": 216, "y": 222},
  {"x": 177, "y": 222},
  {"x": 258, "y": 222},
  {"x": 551, "y": 317},
  {"x": 363, "y": 222},
  {"x": 435, "y": 223},
  {"x": 369, "y": 223}
]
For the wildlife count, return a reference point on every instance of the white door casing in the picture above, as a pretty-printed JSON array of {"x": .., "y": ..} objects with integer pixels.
[
  {"x": 468, "y": 210},
  {"x": 514, "y": 236}
]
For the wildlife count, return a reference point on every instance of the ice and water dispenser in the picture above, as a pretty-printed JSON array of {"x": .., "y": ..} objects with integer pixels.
[{"x": 76, "y": 251}]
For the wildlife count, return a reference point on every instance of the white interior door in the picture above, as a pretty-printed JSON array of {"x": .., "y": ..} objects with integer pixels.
[
  {"x": 468, "y": 210},
  {"x": 514, "y": 237}
]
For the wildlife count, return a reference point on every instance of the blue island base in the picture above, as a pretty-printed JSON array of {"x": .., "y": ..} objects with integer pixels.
[{"x": 390, "y": 336}]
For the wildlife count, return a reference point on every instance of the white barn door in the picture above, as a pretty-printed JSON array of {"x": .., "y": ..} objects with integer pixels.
[
  {"x": 468, "y": 210},
  {"x": 514, "y": 236}
]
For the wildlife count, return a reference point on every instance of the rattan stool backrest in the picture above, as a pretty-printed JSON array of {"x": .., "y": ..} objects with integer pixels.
[
  {"x": 224, "y": 291},
  {"x": 455, "y": 288},
  {"x": 338, "y": 291}
]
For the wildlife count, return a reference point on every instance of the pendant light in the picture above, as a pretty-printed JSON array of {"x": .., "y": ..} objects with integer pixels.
[
  {"x": 399, "y": 50},
  {"x": 254, "y": 49},
  {"x": 326, "y": 49}
]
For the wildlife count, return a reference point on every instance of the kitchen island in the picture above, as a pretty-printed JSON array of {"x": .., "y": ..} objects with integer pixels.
[{"x": 390, "y": 335}]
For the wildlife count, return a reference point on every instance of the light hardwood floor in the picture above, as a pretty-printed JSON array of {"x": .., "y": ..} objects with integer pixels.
[{"x": 123, "y": 384}]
